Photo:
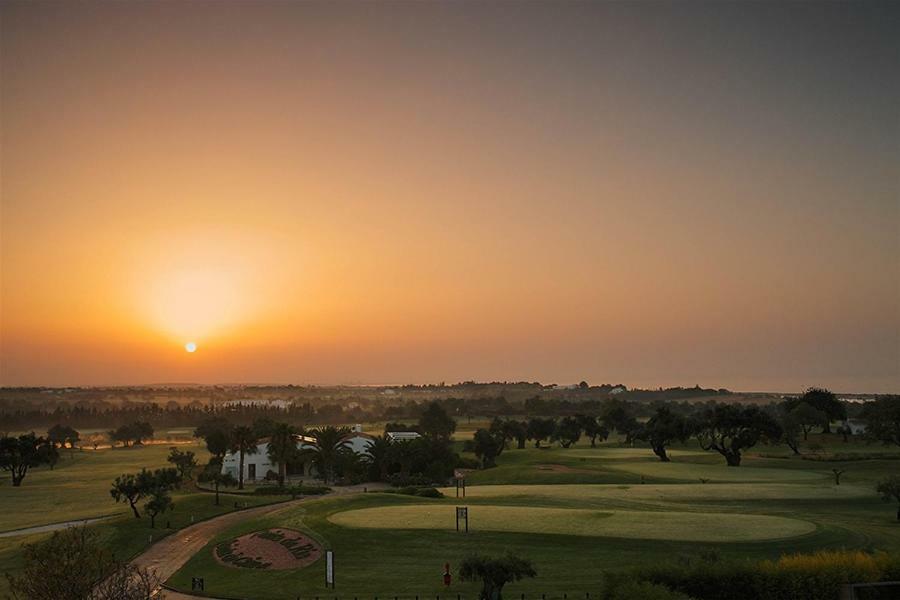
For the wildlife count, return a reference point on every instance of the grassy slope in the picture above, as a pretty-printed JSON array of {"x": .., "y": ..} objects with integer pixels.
[
  {"x": 79, "y": 487},
  {"x": 388, "y": 562}
]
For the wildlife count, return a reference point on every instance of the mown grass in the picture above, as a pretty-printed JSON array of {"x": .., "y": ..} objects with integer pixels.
[
  {"x": 389, "y": 545},
  {"x": 648, "y": 525},
  {"x": 78, "y": 488}
]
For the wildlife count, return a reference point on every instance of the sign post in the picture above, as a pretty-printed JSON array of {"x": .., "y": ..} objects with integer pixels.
[
  {"x": 462, "y": 512},
  {"x": 329, "y": 568},
  {"x": 459, "y": 475}
]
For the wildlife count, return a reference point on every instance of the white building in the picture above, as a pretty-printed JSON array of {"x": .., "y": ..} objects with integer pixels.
[
  {"x": 402, "y": 436},
  {"x": 258, "y": 464}
]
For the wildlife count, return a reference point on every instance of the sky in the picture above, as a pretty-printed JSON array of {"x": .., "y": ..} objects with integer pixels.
[{"x": 652, "y": 193}]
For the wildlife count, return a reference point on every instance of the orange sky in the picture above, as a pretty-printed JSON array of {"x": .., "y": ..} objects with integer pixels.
[{"x": 415, "y": 193}]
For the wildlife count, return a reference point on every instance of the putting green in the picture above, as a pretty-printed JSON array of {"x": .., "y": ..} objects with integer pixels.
[
  {"x": 673, "y": 492},
  {"x": 714, "y": 473},
  {"x": 606, "y": 453},
  {"x": 669, "y": 525}
]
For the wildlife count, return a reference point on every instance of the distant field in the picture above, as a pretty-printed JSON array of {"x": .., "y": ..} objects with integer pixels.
[{"x": 78, "y": 487}]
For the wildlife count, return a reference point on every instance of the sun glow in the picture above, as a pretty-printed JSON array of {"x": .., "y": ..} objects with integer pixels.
[{"x": 190, "y": 347}]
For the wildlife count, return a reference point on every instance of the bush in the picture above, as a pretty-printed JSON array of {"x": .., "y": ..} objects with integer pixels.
[
  {"x": 816, "y": 576},
  {"x": 401, "y": 480},
  {"x": 467, "y": 462},
  {"x": 297, "y": 490}
]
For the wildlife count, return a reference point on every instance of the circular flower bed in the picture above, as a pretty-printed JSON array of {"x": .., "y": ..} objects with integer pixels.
[{"x": 270, "y": 549}]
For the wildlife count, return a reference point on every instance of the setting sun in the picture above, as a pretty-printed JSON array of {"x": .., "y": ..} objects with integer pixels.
[{"x": 190, "y": 347}]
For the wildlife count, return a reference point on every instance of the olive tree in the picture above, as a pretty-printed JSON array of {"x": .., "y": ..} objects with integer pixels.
[
  {"x": 494, "y": 573},
  {"x": 890, "y": 490},
  {"x": 730, "y": 429},
  {"x": 73, "y": 564},
  {"x": 664, "y": 428}
]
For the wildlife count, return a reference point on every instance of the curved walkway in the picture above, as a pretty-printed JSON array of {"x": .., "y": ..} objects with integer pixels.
[
  {"x": 169, "y": 554},
  {"x": 51, "y": 526}
]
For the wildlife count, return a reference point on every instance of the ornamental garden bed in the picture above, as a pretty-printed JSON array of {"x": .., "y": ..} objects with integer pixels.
[{"x": 271, "y": 549}]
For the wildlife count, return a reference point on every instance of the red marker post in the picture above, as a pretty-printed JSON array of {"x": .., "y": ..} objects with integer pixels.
[{"x": 446, "y": 574}]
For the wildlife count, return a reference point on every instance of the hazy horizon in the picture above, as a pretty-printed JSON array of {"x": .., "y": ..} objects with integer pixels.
[{"x": 658, "y": 194}]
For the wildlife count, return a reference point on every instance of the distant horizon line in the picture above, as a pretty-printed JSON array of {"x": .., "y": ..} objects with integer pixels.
[{"x": 394, "y": 385}]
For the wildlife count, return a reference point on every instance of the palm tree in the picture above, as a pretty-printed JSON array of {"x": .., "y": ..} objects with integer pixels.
[
  {"x": 282, "y": 447},
  {"x": 379, "y": 455},
  {"x": 329, "y": 443},
  {"x": 243, "y": 441}
]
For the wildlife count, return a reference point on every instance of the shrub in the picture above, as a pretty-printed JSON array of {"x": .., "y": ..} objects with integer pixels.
[
  {"x": 401, "y": 480},
  {"x": 816, "y": 576},
  {"x": 467, "y": 462}
]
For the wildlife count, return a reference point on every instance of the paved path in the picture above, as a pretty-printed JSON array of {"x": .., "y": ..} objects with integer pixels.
[
  {"x": 172, "y": 552},
  {"x": 50, "y": 527}
]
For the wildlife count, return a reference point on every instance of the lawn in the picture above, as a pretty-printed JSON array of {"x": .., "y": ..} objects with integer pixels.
[
  {"x": 78, "y": 488},
  {"x": 575, "y": 513},
  {"x": 647, "y": 525}
]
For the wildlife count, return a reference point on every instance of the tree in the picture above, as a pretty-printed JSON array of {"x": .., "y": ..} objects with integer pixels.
[
  {"x": 790, "y": 430},
  {"x": 664, "y": 428},
  {"x": 60, "y": 435},
  {"x": 507, "y": 430},
  {"x": 890, "y": 490},
  {"x": 18, "y": 454},
  {"x": 243, "y": 441},
  {"x": 49, "y": 454},
  {"x": 132, "y": 488},
  {"x": 808, "y": 417},
  {"x": 729, "y": 429},
  {"x": 517, "y": 430},
  {"x": 436, "y": 423},
  {"x": 216, "y": 433},
  {"x": 379, "y": 453},
  {"x": 213, "y": 474},
  {"x": 128, "y": 488},
  {"x": 132, "y": 433},
  {"x": 592, "y": 428},
  {"x": 486, "y": 447},
  {"x": 73, "y": 564},
  {"x": 883, "y": 420},
  {"x": 282, "y": 447},
  {"x": 329, "y": 443},
  {"x": 185, "y": 462},
  {"x": 825, "y": 401},
  {"x": 540, "y": 430},
  {"x": 494, "y": 573},
  {"x": 617, "y": 416},
  {"x": 140, "y": 431},
  {"x": 159, "y": 502},
  {"x": 567, "y": 431}
]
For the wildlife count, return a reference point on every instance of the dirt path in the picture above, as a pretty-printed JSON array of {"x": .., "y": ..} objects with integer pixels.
[{"x": 171, "y": 553}]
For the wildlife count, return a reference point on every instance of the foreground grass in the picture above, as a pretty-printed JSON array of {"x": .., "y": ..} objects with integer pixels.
[{"x": 585, "y": 514}]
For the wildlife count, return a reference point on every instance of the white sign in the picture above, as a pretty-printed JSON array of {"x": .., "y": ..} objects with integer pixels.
[{"x": 329, "y": 568}]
